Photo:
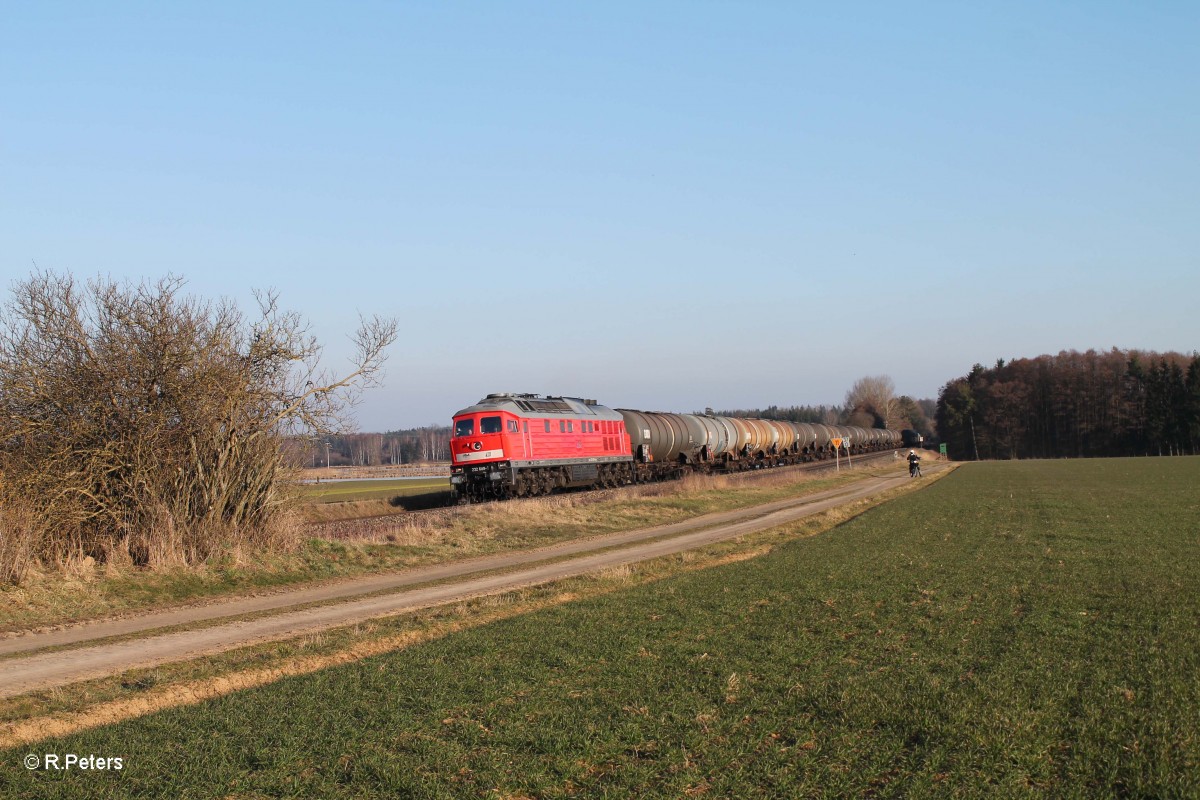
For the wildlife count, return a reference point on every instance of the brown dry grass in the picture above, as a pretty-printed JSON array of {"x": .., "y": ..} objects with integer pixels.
[{"x": 21, "y": 533}]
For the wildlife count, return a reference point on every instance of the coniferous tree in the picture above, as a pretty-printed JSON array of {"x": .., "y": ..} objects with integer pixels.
[{"x": 1074, "y": 404}]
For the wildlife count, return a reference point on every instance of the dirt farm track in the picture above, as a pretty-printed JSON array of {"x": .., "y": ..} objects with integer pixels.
[{"x": 43, "y": 660}]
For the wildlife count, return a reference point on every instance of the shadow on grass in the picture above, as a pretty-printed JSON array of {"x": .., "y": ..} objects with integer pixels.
[{"x": 421, "y": 502}]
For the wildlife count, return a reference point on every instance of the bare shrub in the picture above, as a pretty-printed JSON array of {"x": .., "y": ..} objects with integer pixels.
[{"x": 136, "y": 419}]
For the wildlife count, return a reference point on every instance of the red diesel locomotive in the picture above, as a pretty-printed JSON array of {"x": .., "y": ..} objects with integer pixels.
[{"x": 520, "y": 445}]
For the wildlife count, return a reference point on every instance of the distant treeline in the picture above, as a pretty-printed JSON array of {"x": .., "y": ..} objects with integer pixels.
[
  {"x": 411, "y": 446},
  {"x": 902, "y": 412},
  {"x": 1116, "y": 403}
]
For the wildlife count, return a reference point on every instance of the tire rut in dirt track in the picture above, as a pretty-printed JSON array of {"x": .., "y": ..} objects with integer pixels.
[{"x": 36, "y": 671}]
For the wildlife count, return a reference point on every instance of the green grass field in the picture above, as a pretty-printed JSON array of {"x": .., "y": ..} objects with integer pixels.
[{"x": 1016, "y": 630}]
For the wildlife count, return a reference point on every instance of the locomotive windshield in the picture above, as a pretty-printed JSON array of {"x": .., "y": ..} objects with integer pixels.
[
  {"x": 464, "y": 427},
  {"x": 490, "y": 425}
]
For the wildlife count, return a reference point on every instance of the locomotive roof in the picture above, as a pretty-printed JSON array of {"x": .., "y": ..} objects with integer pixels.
[{"x": 535, "y": 405}]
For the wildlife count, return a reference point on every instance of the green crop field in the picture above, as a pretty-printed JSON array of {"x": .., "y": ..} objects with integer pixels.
[{"x": 1016, "y": 630}]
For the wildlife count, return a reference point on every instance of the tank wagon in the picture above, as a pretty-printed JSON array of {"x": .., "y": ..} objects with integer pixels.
[{"x": 520, "y": 445}]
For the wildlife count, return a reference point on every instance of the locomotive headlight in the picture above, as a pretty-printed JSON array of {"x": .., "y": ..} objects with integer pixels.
[{"x": 477, "y": 446}]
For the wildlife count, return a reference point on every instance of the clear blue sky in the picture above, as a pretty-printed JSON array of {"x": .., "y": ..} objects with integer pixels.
[{"x": 662, "y": 205}]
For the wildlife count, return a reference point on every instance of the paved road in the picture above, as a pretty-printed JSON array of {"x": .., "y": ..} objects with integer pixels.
[{"x": 391, "y": 594}]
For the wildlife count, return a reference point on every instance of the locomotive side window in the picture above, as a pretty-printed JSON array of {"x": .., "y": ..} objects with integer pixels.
[
  {"x": 547, "y": 426},
  {"x": 512, "y": 426},
  {"x": 464, "y": 427},
  {"x": 490, "y": 425},
  {"x": 570, "y": 426}
]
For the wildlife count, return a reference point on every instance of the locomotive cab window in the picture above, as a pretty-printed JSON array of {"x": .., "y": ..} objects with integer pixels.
[
  {"x": 490, "y": 425},
  {"x": 512, "y": 426},
  {"x": 464, "y": 427}
]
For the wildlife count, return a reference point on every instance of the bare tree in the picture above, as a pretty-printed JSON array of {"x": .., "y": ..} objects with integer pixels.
[
  {"x": 137, "y": 420},
  {"x": 875, "y": 394}
]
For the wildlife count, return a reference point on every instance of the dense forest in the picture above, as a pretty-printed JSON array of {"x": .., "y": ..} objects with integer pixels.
[{"x": 1115, "y": 403}]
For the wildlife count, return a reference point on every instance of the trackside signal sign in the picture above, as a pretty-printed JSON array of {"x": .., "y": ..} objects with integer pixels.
[{"x": 836, "y": 442}]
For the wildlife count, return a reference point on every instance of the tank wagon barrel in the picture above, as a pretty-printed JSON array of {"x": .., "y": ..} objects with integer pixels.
[
  {"x": 808, "y": 437},
  {"x": 825, "y": 436},
  {"x": 718, "y": 437},
  {"x": 785, "y": 436},
  {"x": 760, "y": 437}
]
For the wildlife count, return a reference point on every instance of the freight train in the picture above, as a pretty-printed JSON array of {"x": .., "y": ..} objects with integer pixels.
[{"x": 522, "y": 445}]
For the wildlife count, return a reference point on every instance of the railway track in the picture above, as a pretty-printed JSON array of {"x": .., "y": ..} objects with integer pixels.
[{"x": 440, "y": 502}]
